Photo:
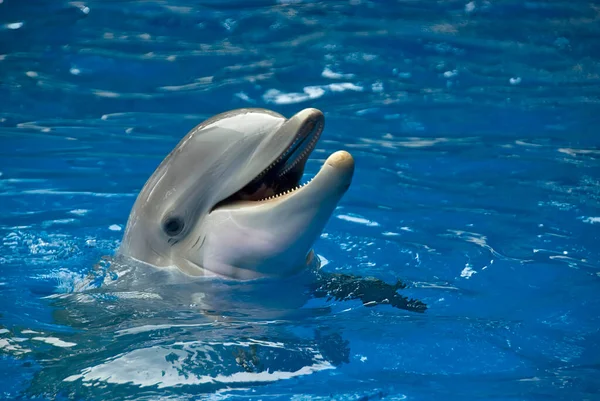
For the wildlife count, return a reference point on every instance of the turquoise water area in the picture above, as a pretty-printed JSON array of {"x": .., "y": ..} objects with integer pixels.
[{"x": 474, "y": 126}]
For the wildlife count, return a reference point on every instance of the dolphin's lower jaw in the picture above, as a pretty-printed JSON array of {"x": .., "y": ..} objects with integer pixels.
[{"x": 274, "y": 236}]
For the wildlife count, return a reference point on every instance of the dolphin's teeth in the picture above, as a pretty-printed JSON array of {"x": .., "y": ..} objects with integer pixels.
[{"x": 307, "y": 150}]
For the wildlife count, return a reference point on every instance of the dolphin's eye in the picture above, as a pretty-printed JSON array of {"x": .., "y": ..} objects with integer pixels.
[{"x": 173, "y": 226}]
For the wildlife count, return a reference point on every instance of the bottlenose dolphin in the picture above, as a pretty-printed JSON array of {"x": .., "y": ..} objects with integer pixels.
[{"x": 227, "y": 201}]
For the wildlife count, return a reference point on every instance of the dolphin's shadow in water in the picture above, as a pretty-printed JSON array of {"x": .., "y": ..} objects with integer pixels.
[
  {"x": 370, "y": 290},
  {"x": 264, "y": 294}
]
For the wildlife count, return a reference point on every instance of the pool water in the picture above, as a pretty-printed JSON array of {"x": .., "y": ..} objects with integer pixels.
[{"x": 474, "y": 126}]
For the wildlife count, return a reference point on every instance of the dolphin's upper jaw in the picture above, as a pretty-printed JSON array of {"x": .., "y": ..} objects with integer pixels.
[{"x": 284, "y": 174}]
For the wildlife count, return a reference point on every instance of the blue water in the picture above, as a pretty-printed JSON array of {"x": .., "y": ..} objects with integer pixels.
[{"x": 474, "y": 126}]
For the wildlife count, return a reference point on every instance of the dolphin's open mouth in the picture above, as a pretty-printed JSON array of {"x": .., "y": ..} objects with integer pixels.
[{"x": 284, "y": 174}]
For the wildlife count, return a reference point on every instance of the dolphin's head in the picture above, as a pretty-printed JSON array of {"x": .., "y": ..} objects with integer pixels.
[{"x": 227, "y": 200}]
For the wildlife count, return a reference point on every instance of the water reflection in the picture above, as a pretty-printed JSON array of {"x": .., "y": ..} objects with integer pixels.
[{"x": 127, "y": 324}]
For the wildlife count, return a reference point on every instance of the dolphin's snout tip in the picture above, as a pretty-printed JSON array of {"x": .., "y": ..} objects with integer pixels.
[
  {"x": 311, "y": 114},
  {"x": 312, "y": 110},
  {"x": 341, "y": 164},
  {"x": 341, "y": 160}
]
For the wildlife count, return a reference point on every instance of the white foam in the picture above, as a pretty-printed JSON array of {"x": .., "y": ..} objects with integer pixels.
[
  {"x": 377, "y": 87},
  {"x": 162, "y": 366},
  {"x": 450, "y": 74},
  {"x": 243, "y": 96},
  {"x": 248, "y": 343},
  {"x": 49, "y": 223},
  {"x": 328, "y": 73},
  {"x": 135, "y": 295},
  {"x": 591, "y": 220},
  {"x": 229, "y": 24},
  {"x": 278, "y": 97},
  {"x": 309, "y": 93},
  {"x": 115, "y": 227},
  {"x": 467, "y": 272},
  {"x": 82, "y": 7},
  {"x": 108, "y": 94},
  {"x": 79, "y": 212},
  {"x": 7, "y": 345},
  {"x": 57, "y": 342},
  {"x": 357, "y": 219},
  {"x": 67, "y": 280},
  {"x": 154, "y": 327},
  {"x": 434, "y": 286},
  {"x": 14, "y": 25},
  {"x": 475, "y": 238},
  {"x": 344, "y": 86},
  {"x": 515, "y": 81},
  {"x": 576, "y": 152}
]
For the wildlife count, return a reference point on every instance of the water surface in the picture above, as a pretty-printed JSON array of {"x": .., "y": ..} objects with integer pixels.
[{"x": 474, "y": 126}]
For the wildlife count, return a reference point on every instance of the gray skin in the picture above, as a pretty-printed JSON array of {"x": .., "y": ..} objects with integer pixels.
[{"x": 203, "y": 211}]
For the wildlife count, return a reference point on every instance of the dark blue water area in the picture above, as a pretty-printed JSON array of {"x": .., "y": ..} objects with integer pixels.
[{"x": 474, "y": 127}]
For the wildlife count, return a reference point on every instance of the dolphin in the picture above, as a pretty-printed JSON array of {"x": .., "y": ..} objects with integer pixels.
[{"x": 227, "y": 201}]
